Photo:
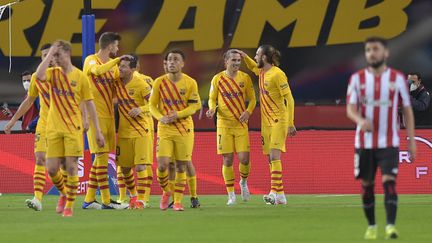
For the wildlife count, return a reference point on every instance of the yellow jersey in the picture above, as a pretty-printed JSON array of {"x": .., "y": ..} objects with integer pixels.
[
  {"x": 41, "y": 90},
  {"x": 146, "y": 78},
  {"x": 66, "y": 93},
  {"x": 134, "y": 94},
  {"x": 230, "y": 96},
  {"x": 181, "y": 96},
  {"x": 273, "y": 89},
  {"x": 102, "y": 76}
]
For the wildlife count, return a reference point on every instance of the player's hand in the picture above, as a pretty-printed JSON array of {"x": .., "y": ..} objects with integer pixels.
[
  {"x": 412, "y": 149},
  {"x": 292, "y": 131},
  {"x": 244, "y": 117},
  {"x": 242, "y": 53},
  {"x": 366, "y": 125},
  {"x": 100, "y": 139},
  {"x": 210, "y": 113},
  {"x": 173, "y": 115},
  {"x": 165, "y": 120},
  {"x": 8, "y": 127},
  {"x": 134, "y": 112}
]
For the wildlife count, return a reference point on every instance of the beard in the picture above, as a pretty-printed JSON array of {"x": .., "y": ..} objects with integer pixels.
[
  {"x": 377, "y": 64},
  {"x": 260, "y": 64}
]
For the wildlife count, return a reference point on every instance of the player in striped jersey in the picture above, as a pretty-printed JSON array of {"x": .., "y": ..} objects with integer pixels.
[
  {"x": 230, "y": 89},
  {"x": 135, "y": 138},
  {"x": 148, "y": 176},
  {"x": 68, "y": 87},
  {"x": 277, "y": 114},
  {"x": 102, "y": 71},
  {"x": 41, "y": 90},
  {"x": 372, "y": 102},
  {"x": 174, "y": 99}
]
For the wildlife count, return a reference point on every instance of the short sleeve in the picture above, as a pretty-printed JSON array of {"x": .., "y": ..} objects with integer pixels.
[
  {"x": 352, "y": 91},
  {"x": 33, "y": 90}
]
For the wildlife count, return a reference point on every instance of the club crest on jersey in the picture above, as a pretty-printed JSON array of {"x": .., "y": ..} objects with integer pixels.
[
  {"x": 182, "y": 91},
  {"x": 131, "y": 92},
  {"x": 73, "y": 83},
  {"x": 241, "y": 84}
]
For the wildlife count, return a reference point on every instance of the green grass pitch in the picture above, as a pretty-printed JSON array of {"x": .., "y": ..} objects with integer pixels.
[{"x": 306, "y": 218}]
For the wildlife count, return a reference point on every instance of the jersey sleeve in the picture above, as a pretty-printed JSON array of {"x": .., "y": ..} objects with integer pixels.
[
  {"x": 252, "y": 65},
  {"x": 352, "y": 91},
  {"x": 86, "y": 93},
  {"x": 403, "y": 91},
  {"x": 33, "y": 91},
  {"x": 213, "y": 93},
  {"x": 250, "y": 94},
  {"x": 145, "y": 95},
  {"x": 154, "y": 101},
  {"x": 283, "y": 85}
]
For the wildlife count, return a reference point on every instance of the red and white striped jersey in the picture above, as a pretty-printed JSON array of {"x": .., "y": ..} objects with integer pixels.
[{"x": 377, "y": 98}]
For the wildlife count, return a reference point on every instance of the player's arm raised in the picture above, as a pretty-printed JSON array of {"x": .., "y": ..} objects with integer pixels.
[
  {"x": 43, "y": 66},
  {"x": 250, "y": 63}
]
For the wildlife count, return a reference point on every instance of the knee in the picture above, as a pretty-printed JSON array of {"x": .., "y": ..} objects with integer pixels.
[
  {"x": 52, "y": 171},
  {"x": 40, "y": 159},
  {"x": 140, "y": 168}
]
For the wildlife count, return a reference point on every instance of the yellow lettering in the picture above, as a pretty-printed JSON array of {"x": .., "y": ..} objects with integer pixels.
[
  {"x": 207, "y": 33},
  {"x": 392, "y": 20},
  {"x": 63, "y": 21},
  {"x": 21, "y": 20},
  {"x": 308, "y": 16}
]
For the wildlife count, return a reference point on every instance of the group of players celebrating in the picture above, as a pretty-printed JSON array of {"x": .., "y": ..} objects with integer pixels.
[
  {"x": 74, "y": 102},
  {"x": 69, "y": 97}
]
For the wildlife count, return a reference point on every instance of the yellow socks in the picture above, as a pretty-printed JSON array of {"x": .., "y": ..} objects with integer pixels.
[
  {"x": 148, "y": 180},
  {"x": 163, "y": 180},
  {"x": 192, "y": 186},
  {"x": 93, "y": 184},
  {"x": 244, "y": 170},
  {"x": 39, "y": 181},
  {"x": 121, "y": 184},
  {"x": 71, "y": 192},
  {"x": 102, "y": 177},
  {"x": 180, "y": 184},
  {"x": 276, "y": 177},
  {"x": 130, "y": 183},
  {"x": 141, "y": 185},
  {"x": 228, "y": 175},
  {"x": 59, "y": 183}
]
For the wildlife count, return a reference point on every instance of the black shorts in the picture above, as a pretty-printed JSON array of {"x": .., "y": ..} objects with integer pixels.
[{"x": 366, "y": 162}]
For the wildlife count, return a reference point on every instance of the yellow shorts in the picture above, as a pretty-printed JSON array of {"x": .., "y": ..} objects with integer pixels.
[
  {"x": 107, "y": 126},
  {"x": 134, "y": 151},
  {"x": 274, "y": 137},
  {"x": 230, "y": 140},
  {"x": 60, "y": 144},
  {"x": 179, "y": 146},
  {"x": 40, "y": 142}
]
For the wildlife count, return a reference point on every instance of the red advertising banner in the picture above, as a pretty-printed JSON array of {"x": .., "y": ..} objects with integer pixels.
[{"x": 316, "y": 162}]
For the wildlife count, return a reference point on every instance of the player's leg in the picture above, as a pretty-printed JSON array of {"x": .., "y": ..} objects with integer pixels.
[
  {"x": 148, "y": 174},
  {"x": 121, "y": 186},
  {"x": 229, "y": 177},
  {"x": 192, "y": 184},
  {"x": 38, "y": 182},
  {"x": 180, "y": 184},
  {"x": 54, "y": 156},
  {"x": 241, "y": 140},
  {"x": 71, "y": 184},
  {"x": 225, "y": 147},
  {"x": 388, "y": 161},
  {"x": 125, "y": 159},
  {"x": 171, "y": 173},
  {"x": 90, "y": 197},
  {"x": 365, "y": 169},
  {"x": 130, "y": 184},
  {"x": 143, "y": 147},
  {"x": 164, "y": 151}
]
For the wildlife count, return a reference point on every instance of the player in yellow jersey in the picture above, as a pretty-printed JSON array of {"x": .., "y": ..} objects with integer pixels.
[
  {"x": 36, "y": 90},
  {"x": 229, "y": 91},
  {"x": 174, "y": 99},
  {"x": 148, "y": 175},
  {"x": 135, "y": 139},
  {"x": 277, "y": 113},
  {"x": 102, "y": 71},
  {"x": 68, "y": 87}
]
